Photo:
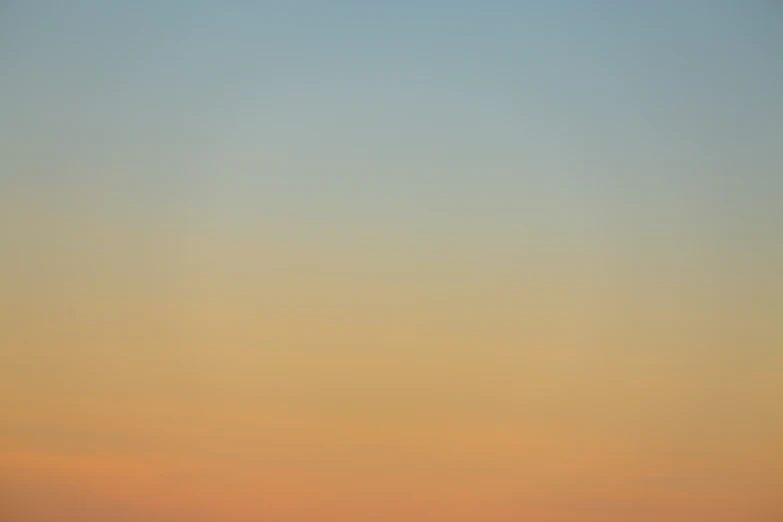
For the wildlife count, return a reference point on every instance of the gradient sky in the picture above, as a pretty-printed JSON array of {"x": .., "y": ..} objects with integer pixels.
[{"x": 422, "y": 261}]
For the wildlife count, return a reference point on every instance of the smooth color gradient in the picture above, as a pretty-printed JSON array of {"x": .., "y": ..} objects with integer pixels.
[{"x": 421, "y": 261}]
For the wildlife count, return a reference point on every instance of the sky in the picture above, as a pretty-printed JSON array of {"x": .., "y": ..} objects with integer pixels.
[{"x": 319, "y": 261}]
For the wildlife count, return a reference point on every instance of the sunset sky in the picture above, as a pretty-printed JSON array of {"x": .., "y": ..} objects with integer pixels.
[{"x": 421, "y": 261}]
